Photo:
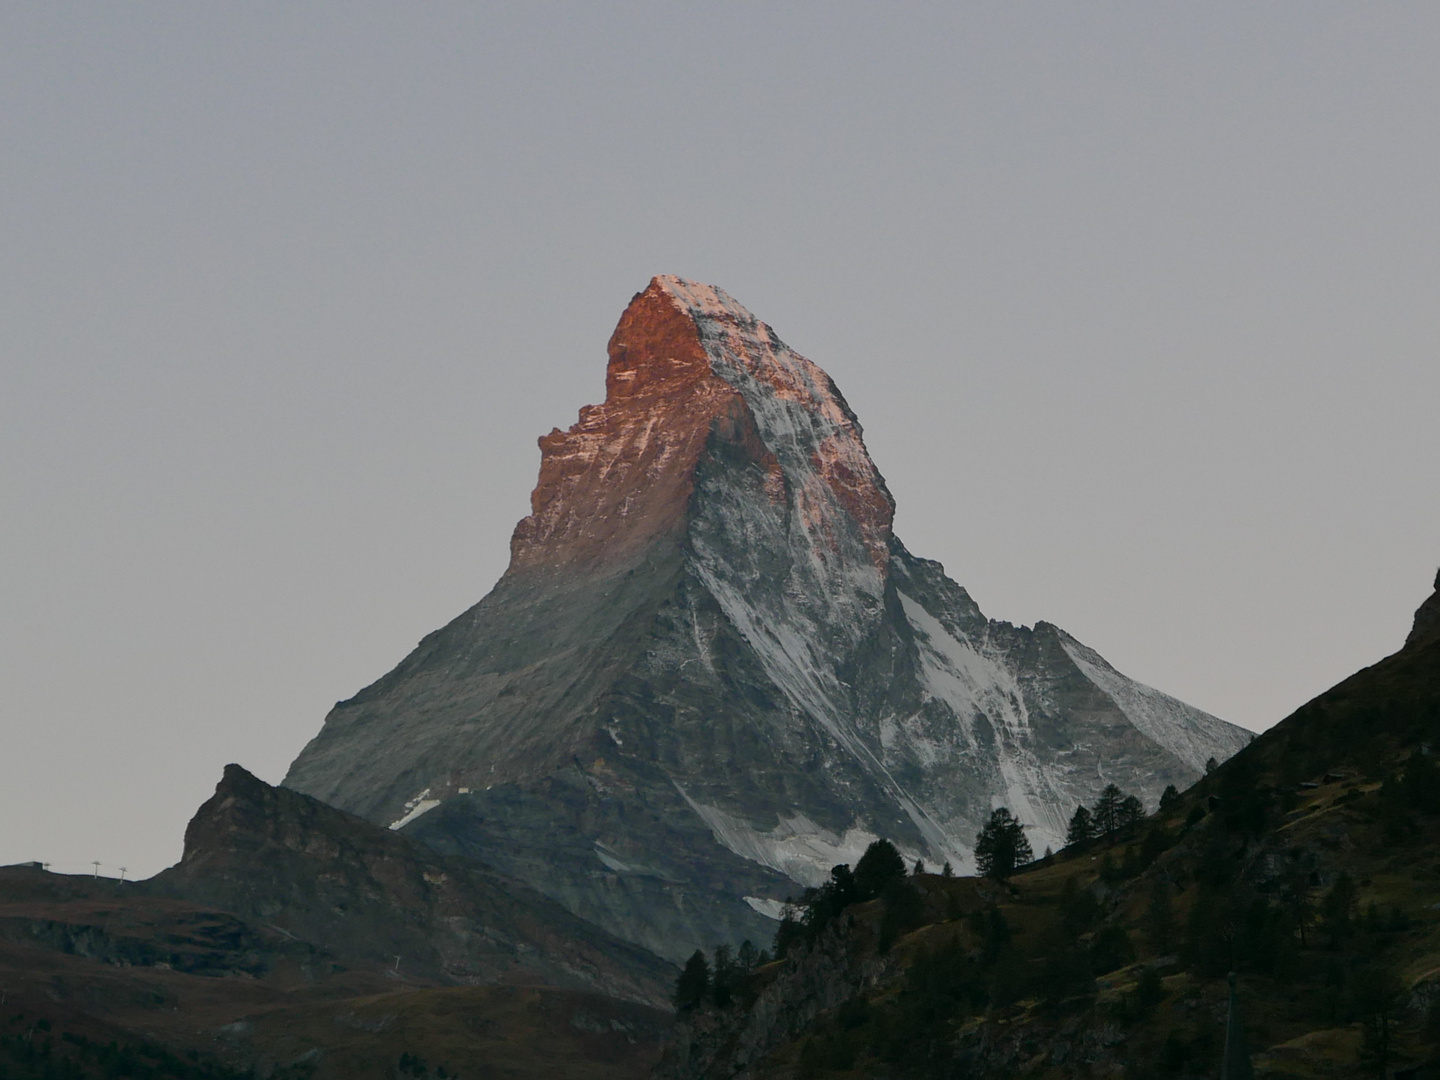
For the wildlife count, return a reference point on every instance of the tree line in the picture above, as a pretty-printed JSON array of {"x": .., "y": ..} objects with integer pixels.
[
  {"x": 1001, "y": 847},
  {"x": 1114, "y": 812}
]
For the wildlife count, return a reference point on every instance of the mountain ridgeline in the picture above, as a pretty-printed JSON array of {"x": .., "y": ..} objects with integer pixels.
[{"x": 712, "y": 672}]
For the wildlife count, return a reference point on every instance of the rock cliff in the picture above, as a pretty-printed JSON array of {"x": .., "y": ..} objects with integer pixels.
[{"x": 712, "y": 671}]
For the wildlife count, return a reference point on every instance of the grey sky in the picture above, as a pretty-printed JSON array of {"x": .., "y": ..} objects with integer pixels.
[{"x": 1137, "y": 303}]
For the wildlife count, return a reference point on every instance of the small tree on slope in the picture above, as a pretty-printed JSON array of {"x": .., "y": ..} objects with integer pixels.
[
  {"x": 1001, "y": 845},
  {"x": 694, "y": 982},
  {"x": 1082, "y": 826},
  {"x": 1107, "y": 810}
]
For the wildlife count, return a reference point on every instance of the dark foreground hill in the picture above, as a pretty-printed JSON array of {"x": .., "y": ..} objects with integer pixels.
[
  {"x": 1309, "y": 865},
  {"x": 298, "y": 941},
  {"x": 284, "y": 861}
]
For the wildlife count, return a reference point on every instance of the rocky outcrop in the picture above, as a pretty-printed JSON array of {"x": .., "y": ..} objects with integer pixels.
[
  {"x": 1427, "y": 618},
  {"x": 712, "y": 671},
  {"x": 366, "y": 895}
]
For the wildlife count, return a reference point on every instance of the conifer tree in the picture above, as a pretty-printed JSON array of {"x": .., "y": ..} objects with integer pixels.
[
  {"x": 694, "y": 982},
  {"x": 723, "y": 977},
  {"x": 789, "y": 933},
  {"x": 1001, "y": 845},
  {"x": 1130, "y": 812},
  {"x": 747, "y": 956},
  {"x": 1082, "y": 826},
  {"x": 1107, "y": 810},
  {"x": 876, "y": 867}
]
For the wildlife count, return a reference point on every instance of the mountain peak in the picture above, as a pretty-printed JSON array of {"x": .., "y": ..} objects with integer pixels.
[
  {"x": 692, "y": 374},
  {"x": 712, "y": 672}
]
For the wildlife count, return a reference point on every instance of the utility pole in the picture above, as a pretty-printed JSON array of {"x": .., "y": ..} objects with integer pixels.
[
  {"x": 397, "y": 965},
  {"x": 122, "y": 873},
  {"x": 96, "y": 864}
]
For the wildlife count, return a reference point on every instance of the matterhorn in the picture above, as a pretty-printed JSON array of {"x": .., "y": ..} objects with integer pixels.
[{"x": 711, "y": 671}]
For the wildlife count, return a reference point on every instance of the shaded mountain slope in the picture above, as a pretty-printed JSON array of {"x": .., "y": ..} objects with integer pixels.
[
  {"x": 1309, "y": 863},
  {"x": 711, "y": 671},
  {"x": 318, "y": 875},
  {"x": 302, "y": 941}
]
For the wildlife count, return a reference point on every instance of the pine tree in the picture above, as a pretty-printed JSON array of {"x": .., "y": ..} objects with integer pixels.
[
  {"x": 694, "y": 982},
  {"x": 724, "y": 977},
  {"x": 1107, "y": 810},
  {"x": 1082, "y": 826},
  {"x": 1169, "y": 797},
  {"x": 876, "y": 867},
  {"x": 1131, "y": 811},
  {"x": 747, "y": 956},
  {"x": 1001, "y": 845},
  {"x": 788, "y": 934}
]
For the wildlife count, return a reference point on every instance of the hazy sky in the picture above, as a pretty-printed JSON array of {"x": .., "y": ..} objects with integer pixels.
[{"x": 1137, "y": 303}]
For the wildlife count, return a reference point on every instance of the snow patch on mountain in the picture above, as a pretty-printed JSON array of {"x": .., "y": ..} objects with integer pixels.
[
  {"x": 771, "y": 909},
  {"x": 414, "y": 808},
  {"x": 797, "y": 847}
]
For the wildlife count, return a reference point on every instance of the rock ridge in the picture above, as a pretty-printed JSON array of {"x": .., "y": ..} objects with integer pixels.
[{"x": 315, "y": 874}]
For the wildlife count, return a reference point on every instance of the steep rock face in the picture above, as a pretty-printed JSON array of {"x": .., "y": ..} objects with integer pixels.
[{"x": 712, "y": 671}]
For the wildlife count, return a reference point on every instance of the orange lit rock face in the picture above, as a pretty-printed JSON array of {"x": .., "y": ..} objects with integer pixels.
[
  {"x": 689, "y": 370},
  {"x": 621, "y": 476}
]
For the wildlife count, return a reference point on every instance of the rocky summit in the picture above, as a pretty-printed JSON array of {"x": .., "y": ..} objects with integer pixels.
[{"x": 712, "y": 671}]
